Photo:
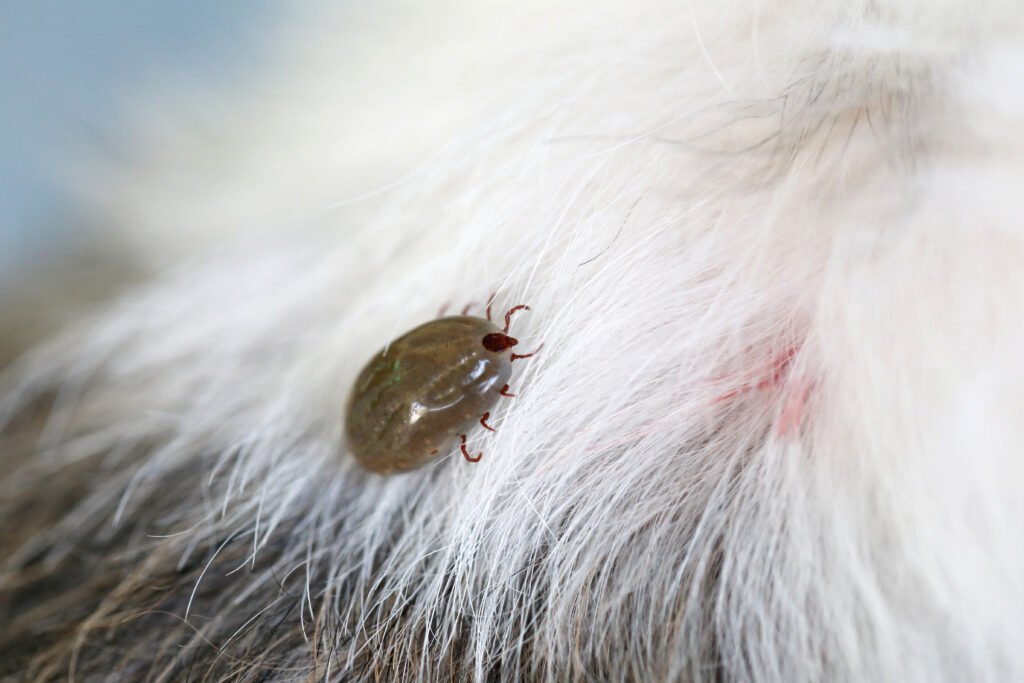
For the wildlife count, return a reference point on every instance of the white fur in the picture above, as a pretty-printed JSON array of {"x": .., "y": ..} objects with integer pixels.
[{"x": 682, "y": 194}]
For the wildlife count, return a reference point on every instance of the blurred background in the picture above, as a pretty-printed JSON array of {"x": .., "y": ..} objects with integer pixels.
[
  {"x": 138, "y": 136},
  {"x": 70, "y": 73}
]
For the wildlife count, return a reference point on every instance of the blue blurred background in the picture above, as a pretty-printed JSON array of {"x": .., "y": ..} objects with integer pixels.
[{"x": 67, "y": 71}]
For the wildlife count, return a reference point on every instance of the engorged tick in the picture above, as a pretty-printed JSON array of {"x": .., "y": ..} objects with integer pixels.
[{"x": 427, "y": 388}]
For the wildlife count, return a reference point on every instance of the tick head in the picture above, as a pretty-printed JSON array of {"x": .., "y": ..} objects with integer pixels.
[{"x": 498, "y": 341}]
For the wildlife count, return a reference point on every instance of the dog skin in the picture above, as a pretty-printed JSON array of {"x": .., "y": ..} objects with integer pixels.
[{"x": 773, "y": 251}]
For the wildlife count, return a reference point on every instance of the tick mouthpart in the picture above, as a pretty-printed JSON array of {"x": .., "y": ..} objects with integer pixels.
[{"x": 498, "y": 341}]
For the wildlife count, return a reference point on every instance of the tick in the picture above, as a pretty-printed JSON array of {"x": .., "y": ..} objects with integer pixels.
[{"x": 428, "y": 388}]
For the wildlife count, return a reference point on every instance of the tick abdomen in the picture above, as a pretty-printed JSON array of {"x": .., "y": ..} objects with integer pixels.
[{"x": 422, "y": 391}]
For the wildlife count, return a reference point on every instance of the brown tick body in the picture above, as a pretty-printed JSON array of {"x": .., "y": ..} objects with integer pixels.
[{"x": 427, "y": 389}]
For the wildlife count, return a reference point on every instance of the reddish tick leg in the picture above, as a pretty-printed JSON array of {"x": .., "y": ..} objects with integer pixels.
[
  {"x": 483, "y": 421},
  {"x": 508, "y": 316},
  {"x": 465, "y": 453},
  {"x": 465, "y": 310},
  {"x": 442, "y": 310},
  {"x": 504, "y": 392},
  {"x": 517, "y": 356},
  {"x": 490, "y": 301}
]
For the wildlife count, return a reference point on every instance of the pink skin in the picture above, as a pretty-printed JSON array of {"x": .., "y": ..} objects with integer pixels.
[{"x": 794, "y": 407}]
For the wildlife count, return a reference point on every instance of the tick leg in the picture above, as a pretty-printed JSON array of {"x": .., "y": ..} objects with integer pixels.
[
  {"x": 444, "y": 309},
  {"x": 508, "y": 316},
  {"x": 465, "y": 453},
  {"x": 517, "y": 356},
  {"x": 483, "y": 421},
  {"x": 490, "y": 301},
  {"x": 504, "y": 391},
  {"x": 465, "y": 309}
]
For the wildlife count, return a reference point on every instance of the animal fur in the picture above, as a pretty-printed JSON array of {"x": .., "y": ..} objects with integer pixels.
[{"x": 774, "y": 252}]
